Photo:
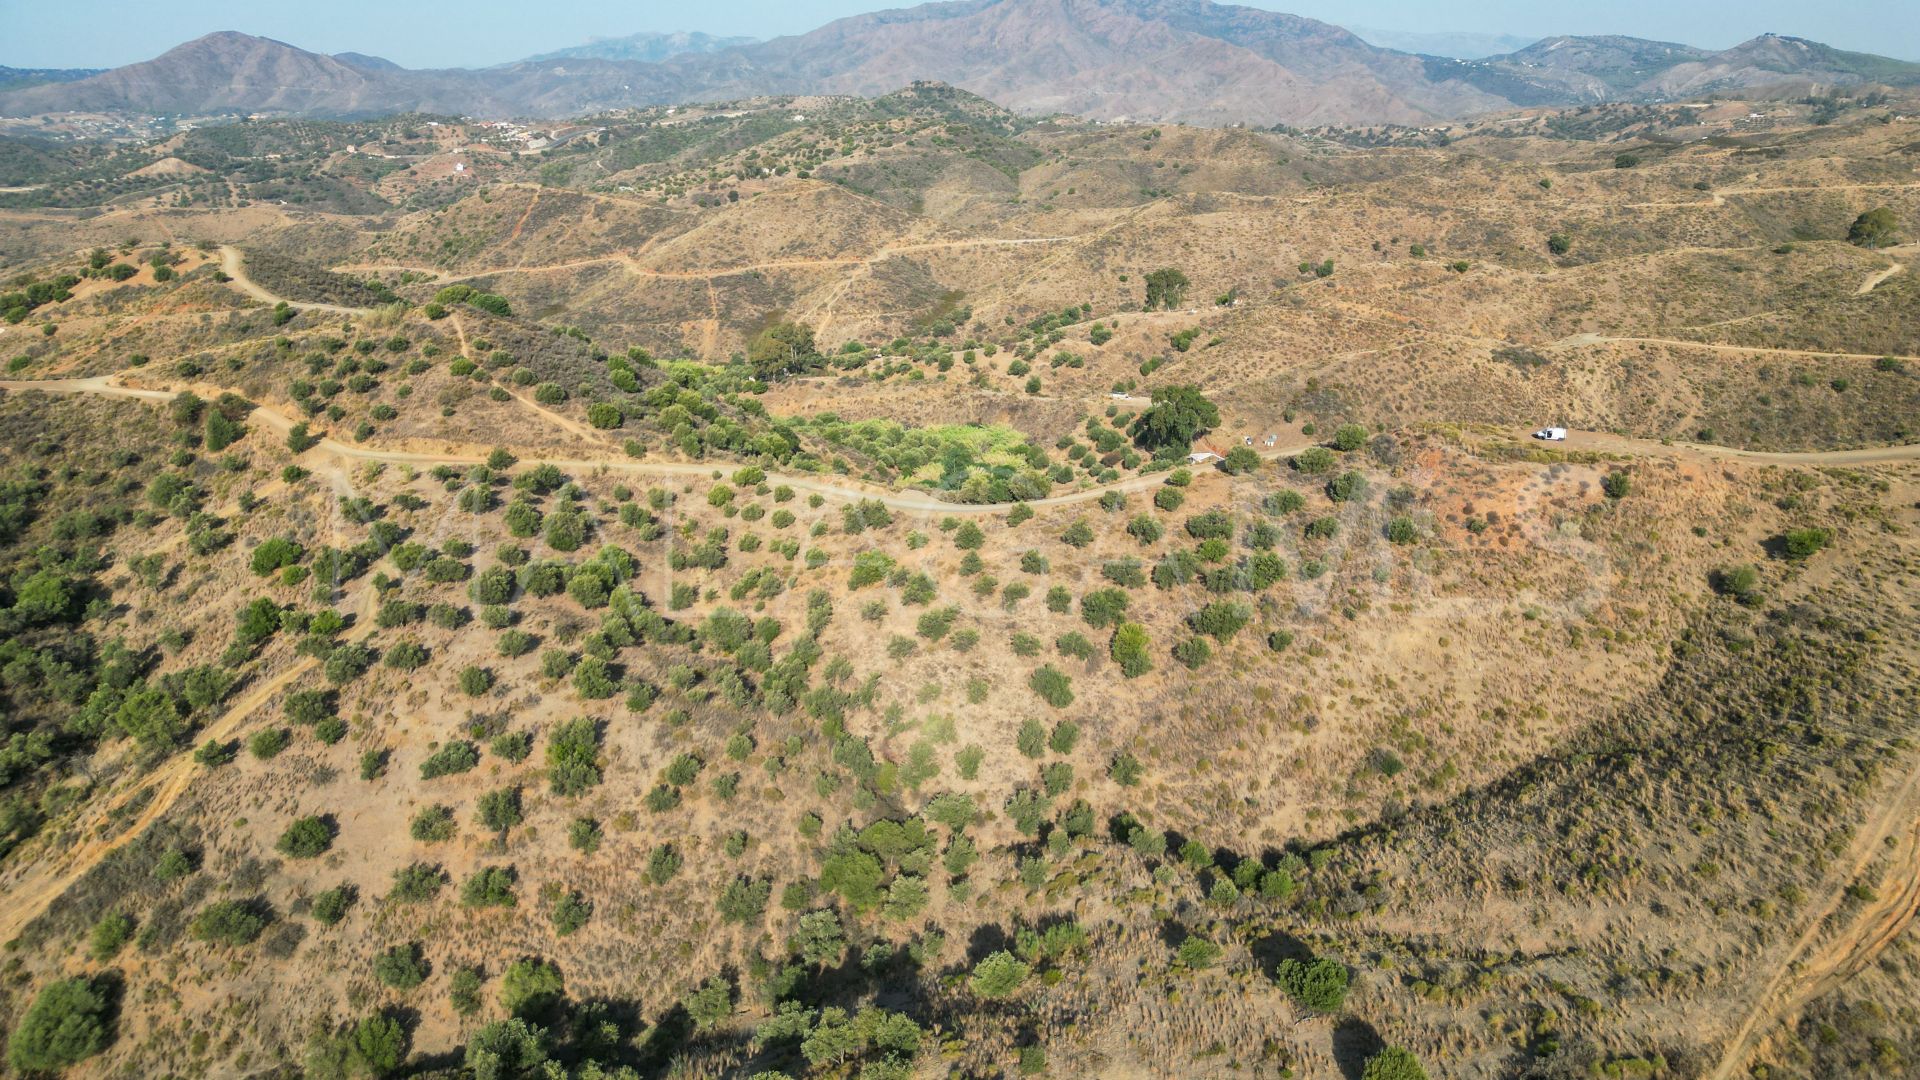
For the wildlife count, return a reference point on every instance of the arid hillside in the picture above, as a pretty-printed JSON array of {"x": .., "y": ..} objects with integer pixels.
[{"x": 883, "y": 588}]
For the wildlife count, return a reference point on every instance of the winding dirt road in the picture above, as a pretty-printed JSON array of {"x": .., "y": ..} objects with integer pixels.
[
  {"x": 922, "y": 502},
  {"x": 910, "y": 501},
  {"x": 632, "y": 265},
  {"x": 1819, "y": 959},
  {"x": 1873, "y": 282},
  {"x": 1804, "y": 976},
  {"x": 234, "y": 265},
  {"x": 1578, "y": 340}
]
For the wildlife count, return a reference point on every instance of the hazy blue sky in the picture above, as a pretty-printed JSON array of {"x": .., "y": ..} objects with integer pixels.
[{"x": 417, "y": 33}]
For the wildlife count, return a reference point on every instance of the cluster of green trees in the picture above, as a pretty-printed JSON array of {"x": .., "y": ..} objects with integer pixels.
[
  {"x": 16, "y": 306},
  {"x": 1179, "y": 415},
  {"x": 472, "y": 297},
  {"x": 1875, "y": 228},
  {"x": 1166, "y": 288},
  {"x": 782, "y": 348}
]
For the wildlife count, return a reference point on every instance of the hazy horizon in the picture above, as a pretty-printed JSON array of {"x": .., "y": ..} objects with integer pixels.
[{"x": 120, "y": 32}]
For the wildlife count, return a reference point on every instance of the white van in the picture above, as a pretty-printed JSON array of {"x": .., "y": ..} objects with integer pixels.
[{"x": 1551, "y": 434}]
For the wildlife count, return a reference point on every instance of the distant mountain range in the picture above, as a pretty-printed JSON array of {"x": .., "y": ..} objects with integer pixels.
[
  {"x": 646, "y": 48},
  {"x": 1188, "y": 61},
  {"x": 1457, "y": 45},
  {"x": 1568, "y": 70}
]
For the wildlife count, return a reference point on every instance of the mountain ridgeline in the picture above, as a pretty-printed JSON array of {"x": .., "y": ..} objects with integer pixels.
[{"x": 1189, "y": 61}]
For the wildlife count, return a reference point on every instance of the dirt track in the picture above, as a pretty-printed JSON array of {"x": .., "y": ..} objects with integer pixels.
[
  {"x": 632, "y": 265},
  {"x": 27, "y": 899},
  {"x": 572, "y": 427},
  {"x": 918, "y": 502},
  {"x": 1719, "y": 198},
  {"x": 1796, "y": 983},
  {"x": 1873, "y": 282},
  {"x": 1607, "y": 339},
  {"x": 235, "y": 267},
  {"x": 1813, "y": 968}
]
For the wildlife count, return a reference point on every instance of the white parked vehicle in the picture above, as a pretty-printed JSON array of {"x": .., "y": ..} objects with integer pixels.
[{"x": 1551, "y": 434}]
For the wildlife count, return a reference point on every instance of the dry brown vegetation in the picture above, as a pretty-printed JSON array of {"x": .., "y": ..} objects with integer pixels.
[{"x": 1514, "y": 738}]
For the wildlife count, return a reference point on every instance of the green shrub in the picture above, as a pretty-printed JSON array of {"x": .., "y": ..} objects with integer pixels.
[
  {"x": 1102, "y": 608},
  {"x": 475, "y": 681},
  {"x": 1130, "y": 649},
  {"x": 1197, "y": 953},
  {"x": 499, "y": 810},
  {"x": 570, "y": 912},
  {"x": 69, "y": 1021},
  {"x": 1314, "y": 461},
  {"x": 490, "y": 886},
  {"x": 1874, "y": 228},
  {"x": 573, "y": 756},
  {"x": 451, "y": 759},
  {"x": 306, "y": 838},
  {"x": 1220, "y": 620},
  {"x": 229, "y": 922},
  {"x": 1320, "y": 984},
  {"x": 433, "y": 825},
  {"x": 583, "y": 835},
  {"x": 1805, "y": 543},
  {"x": 1347, "y": 487},
  {"x": 267, "y": 742},
  {"x": 416, "y": 883},
  {"x": 744, "y": 899},
  {"x": 401, "y": 967},
  {"x": 997, "y": 976},
  {"x": 274, "y": 554},
  {"x": 1393, "y": 1063},
  {"x": 531, "y": 988},
  {"x": 109, "y": 935},
  {"x": 1193, "y": 652},
  {"x": 710, "y": 1004},
  {"x": 1054, "y": 687},
  {"x": 1742, "y": 583},
  {"x": 1212, "y": 525},
  {"x": 1349, "y": 437},
  {"x": 330, "y": 905}
]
